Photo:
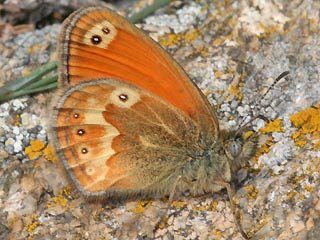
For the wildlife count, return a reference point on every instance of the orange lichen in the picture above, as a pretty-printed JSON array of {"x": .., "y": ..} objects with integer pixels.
[
  {"x": 170, "y": 39},
  {"x": 179, "y": 204},
  {"x": 191, "y": 36},
  {"x": 213, "y": 205},
  {"x": 30, "y": 227},
  {"x": 268, "y": 30},
  {"x": 32, "y": 155},
  {"x": 49, "y": 153},
  {"x": 37, "y": 145},
  {"x": 141, "y": 206},
  {"x": 248, "y": 134},
  {"x": 242, "y": 77},
  {"x": 206, "y": 92},
  {"x": 261, "y": 223},
  {"x": 236, "y": 91},
  {"x": 17, "y": 120},
  {"x": 174, "y": 39},
  {"x": 308, "y": 188},
  {"x": 25, "y": 72},
  {"x": 291, "y": 194},
  {"x": 61, "y": 199},
  {"x": 265, "y": 148},
  {"x": 273, "y": 126},
  {"x": 38, "y": 148},
  {"x": 217, "y": 235},
  {"x": 34, "y": 150},
  {"x": 66, "y": 191},
  {"x": 251, "y": 191},
  {"x": 316, "y": 141},
  {"x": 220, "y": 40},
  {"x": 218, "y": 74},
  {"x": 308, "y": 122},
  {"x": 164, "y": 223},
  {"x": 299, "y": 139},
  {"x": 98, "y": 213}
]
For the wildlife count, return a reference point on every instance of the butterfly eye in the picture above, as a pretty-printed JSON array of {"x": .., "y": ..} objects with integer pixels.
[{"x": 234, "y": 148}]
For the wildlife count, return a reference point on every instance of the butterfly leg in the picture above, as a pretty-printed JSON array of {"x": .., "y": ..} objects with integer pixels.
[
  {"x": 174, "y": 186},
  {"x": 233, "y": 208}
]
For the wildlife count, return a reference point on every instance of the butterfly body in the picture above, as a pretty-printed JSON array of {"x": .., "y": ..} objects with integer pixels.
[{"x": 129, "y": 121}]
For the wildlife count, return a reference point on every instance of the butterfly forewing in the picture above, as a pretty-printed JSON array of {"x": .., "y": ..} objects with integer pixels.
[{"x": 97, "y": 43}]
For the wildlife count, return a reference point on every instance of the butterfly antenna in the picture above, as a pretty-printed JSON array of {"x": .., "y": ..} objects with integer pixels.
[{"x": 242, "y": 125}]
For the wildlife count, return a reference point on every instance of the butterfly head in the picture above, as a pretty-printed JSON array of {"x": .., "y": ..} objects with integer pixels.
[{"x": 239, "y": 147}]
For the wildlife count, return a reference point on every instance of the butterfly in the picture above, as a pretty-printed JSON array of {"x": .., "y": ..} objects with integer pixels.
[{"x": 130, "y": 122}]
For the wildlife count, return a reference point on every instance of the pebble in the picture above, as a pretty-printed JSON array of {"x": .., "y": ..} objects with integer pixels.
[
  {"x": 9, "y": 142},
  {"x": 25, "y": 117}
]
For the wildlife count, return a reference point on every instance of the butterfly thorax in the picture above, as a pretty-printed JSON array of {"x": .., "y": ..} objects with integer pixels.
[{"x": 217, "y": 161}]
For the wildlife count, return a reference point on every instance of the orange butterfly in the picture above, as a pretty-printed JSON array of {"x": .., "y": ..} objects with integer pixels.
[{"x": 130, "y": 121}]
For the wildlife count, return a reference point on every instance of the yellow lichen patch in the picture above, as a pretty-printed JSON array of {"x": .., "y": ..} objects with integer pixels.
[
  {"x": 232, "y": 72},
  {"x": 218, "y": 74},
  {"x": 164, "y": 223},
  {"x": 316, "y": 141},
  {"x": 17, "y": 120},
  {"x": 308, "y": 188},
  {"x": 220, "y": 40},
  {"x": 265, "y": 148},
  {"x": 98, "y": 213},
  {"x": 61, "y": 199},
  {"x": 291, "y": 193},
  {"x": 34, "y": 150},
  {"x": 213, "y": 205},
  {"x": 273, "y": 126},
  {"x": 200, "y": 208},
  {"x": 242, "y": 77},
  {"x": 25, "y": 72},
  {"x": 191, "y": 36},
  {"x": 231, "y": 117},
  {"x": 268, "y": 30},
  {"x": 236, "y": 91},
  {"x": 30, "y": 227},
  {"x": 257, "y": 227},
  {"x": 174, "y": 39},
  {"x": 49, "y": 153},
  {"x": 38, "y": 148},
  {"x": 217, "y": 235},
  {"x": 308, "y": 122},
  {"x": 207, "y": 207},
  {"x": 206, "y": 92},
  {"x": 31, "y": 154},
  {"x": 141, "y": 206},
  {"x": 251, "y": 191},
  {"x": 299, "y": 138},
  {"x": 66, "y": 191},
  {"x": 248, "y": 134},
  {"x": 178, "y": 204},
  {"x": 201, "y": 50},
  {"x": 170, "y": 39},
  {"x": 37, "y": 145}
]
